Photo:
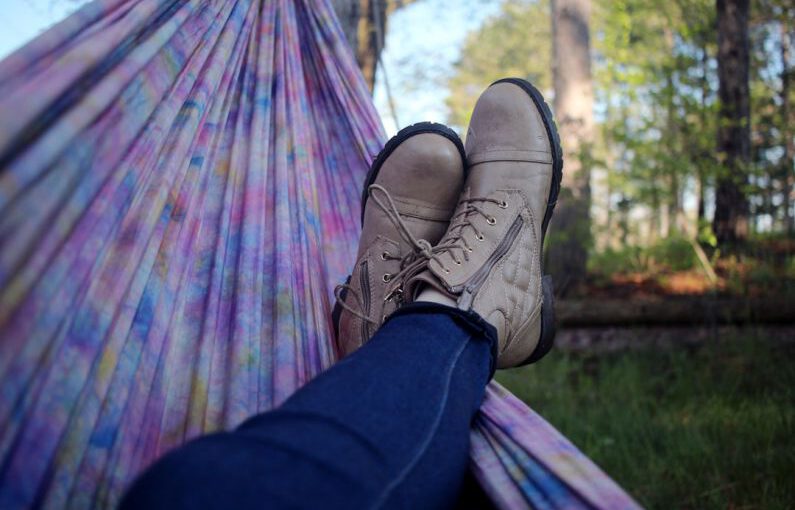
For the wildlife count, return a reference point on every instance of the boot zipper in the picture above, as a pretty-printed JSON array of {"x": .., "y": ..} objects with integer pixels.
[
  {"x": 364, "y": 281},
  {"x": 468, "y": 295}
]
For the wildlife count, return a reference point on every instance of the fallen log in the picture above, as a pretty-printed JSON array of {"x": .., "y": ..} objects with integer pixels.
[
  {"x": 597, "y": 340},
  {"x": 673, "y": 311}
]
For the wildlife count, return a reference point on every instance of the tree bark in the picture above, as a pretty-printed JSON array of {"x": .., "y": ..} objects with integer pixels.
[
  {"x": 789, "y": 140},
  {"x": 734, "y": 136},
  {"x": 348, "y": 15},
  {"x": 570, "y": 234},
  {"x": 703, "y": 158},
  {"x": 364, "y": 25}
]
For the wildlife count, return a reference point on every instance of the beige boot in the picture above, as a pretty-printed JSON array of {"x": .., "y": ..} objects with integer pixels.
[
  {"x": 490, "y": 259},
  {"x": 409, "y": 195}
]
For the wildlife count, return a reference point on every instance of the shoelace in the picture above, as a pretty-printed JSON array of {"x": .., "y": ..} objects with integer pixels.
[
  {"x": 453, "y": 240},
  {"x": 421, "y": 250}
]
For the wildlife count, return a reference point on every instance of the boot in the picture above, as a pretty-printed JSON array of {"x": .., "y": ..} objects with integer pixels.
[
  {"x": 408, "y": 198},
  {"x": 490, "y": 259}
]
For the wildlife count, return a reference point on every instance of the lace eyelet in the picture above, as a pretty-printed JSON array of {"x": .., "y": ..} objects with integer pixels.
[
  {"x": 384, "y": 255},
  {"x": 491, "y": 221},
  {"x": 457, "y": 262},
  {"x": 386, "y": 278},
  {"x": 447, "y": 271},
  {"x": 470, "y": 250},
  {"x": 503, "y": 205},
  {"x": 480, "y": 237}
]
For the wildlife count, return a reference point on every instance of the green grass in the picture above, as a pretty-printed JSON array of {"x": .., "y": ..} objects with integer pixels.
[{"x": 710, "y": 427}]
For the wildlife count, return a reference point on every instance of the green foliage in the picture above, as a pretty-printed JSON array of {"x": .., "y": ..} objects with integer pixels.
[
  {"x": 628, "y": 259},
  {"x": 668, "y": 254},
  {"x": 694, "y": 429},
  {"x": 771, "y": 21},
  {"x": 674, "y": 253},
  {"x": 656, "y": 77},
  {"x": 655, "y": 81},
  {"x": 705, "y": 235},
  {"x": 516, "y": 42},
  {"x": 753, "y": 274}
]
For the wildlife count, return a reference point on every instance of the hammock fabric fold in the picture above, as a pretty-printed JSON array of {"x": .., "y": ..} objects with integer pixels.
[{"x": 179, "y": 193}]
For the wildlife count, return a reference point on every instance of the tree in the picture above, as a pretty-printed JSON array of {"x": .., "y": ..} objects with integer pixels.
[
  {"x": 502, "y": 47},
  {"x": 772, "y": 95},
  {"x": 734, "y": 136},
  {"x": 570, "y": 239},
  {"x": 789, "y": 142},
  {"x": 654, "y": 72},
  {"x": 364, "y": 25}
]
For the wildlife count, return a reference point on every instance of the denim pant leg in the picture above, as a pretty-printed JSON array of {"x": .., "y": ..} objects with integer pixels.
[{"x": 387, "y": 427}]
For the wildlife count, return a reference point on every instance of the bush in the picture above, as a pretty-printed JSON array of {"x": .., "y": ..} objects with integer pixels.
[
  {"x": 630, "y": 259},
  {"x": 670, "y": 254},
  {"x": 674, "y": 253}
]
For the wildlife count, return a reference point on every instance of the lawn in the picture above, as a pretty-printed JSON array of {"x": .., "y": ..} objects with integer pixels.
[{"x": 699, "y": 428}]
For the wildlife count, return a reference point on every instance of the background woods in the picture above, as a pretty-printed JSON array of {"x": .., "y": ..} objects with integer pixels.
[
  {"x": 364, "y": 24},
  {"x": 673, "y": 243},
  {"x": 676, "y": 120}
]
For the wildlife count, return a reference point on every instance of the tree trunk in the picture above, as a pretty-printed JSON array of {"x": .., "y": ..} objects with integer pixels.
[
  {"x": 570, "y": 234},
  {"x": 789, "y": 140},
  {"x": 364, "y": 24},
  {"x": 734, "y": 136},
  {"x": 703, "y": 158},
  {"x": 348, "y": 14}
]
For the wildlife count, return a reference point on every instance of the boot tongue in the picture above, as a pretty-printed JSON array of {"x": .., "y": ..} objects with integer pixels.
[{"x": 417, "y": 283}]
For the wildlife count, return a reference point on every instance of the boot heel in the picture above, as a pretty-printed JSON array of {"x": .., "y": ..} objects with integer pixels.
[{"x": 548, "y": 328}]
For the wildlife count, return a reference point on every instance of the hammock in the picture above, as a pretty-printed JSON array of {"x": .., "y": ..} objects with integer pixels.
[{"x": 179, "y": 193}]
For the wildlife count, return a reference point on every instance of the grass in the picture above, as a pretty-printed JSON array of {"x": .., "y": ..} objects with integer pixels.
[{"x": 710, "y": 427}]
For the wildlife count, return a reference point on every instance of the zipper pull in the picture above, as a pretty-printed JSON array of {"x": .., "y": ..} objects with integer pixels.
[{"x": 467, "y": 296}]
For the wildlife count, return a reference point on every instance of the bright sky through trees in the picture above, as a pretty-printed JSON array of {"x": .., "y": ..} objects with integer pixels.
[
  {"x": 423, "y": 40},
  {"x": 25, "y": 19}
]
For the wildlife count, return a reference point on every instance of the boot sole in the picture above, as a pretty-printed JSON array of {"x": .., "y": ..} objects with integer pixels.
[
  {"x": 547, "y": 338},
  {"x": 393, "y": 143}
]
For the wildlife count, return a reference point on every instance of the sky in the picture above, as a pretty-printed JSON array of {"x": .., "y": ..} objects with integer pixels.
[
  {"x": 23, "y": 20},
  {"x": 423, "y": 41}
]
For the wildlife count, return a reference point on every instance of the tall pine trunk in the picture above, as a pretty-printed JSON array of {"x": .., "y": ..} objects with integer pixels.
[
  {"x": 789, "y": 139},
  {"x": 704, "y": 157},
  {"x": 734, "y": 136},
  {"x": 364, "y": 24},
  {"x": 570, "y": 234}
]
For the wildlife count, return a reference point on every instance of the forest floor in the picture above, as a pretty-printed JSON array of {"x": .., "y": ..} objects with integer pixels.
[
  {"x": 671, "y": 268},
  {"x": 701, "y": 427}
]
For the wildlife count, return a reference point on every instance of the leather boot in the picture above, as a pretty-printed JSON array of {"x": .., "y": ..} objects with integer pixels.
[
  {"x": 408, "y": 198},
  {"x": 490, "y": 259}
]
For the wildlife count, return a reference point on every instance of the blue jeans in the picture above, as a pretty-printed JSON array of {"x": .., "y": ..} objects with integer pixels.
[{"x": 387, "y": 427}]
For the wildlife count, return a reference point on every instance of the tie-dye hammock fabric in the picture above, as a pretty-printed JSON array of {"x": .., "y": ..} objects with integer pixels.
[{"x": 179, "y": 193}]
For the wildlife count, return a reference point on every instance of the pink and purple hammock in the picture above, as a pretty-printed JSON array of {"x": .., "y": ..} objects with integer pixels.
[{"x": 179, "y": 193}]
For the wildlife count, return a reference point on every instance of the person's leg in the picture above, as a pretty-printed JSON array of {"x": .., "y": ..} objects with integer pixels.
[{"x": 385, "y": 427}]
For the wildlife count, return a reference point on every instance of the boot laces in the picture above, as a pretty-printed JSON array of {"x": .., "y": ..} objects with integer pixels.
[
  {"x": 350, "y": 291},
  {"x": 454, "y": 241},
  {"x": 421, "y": 250}
]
